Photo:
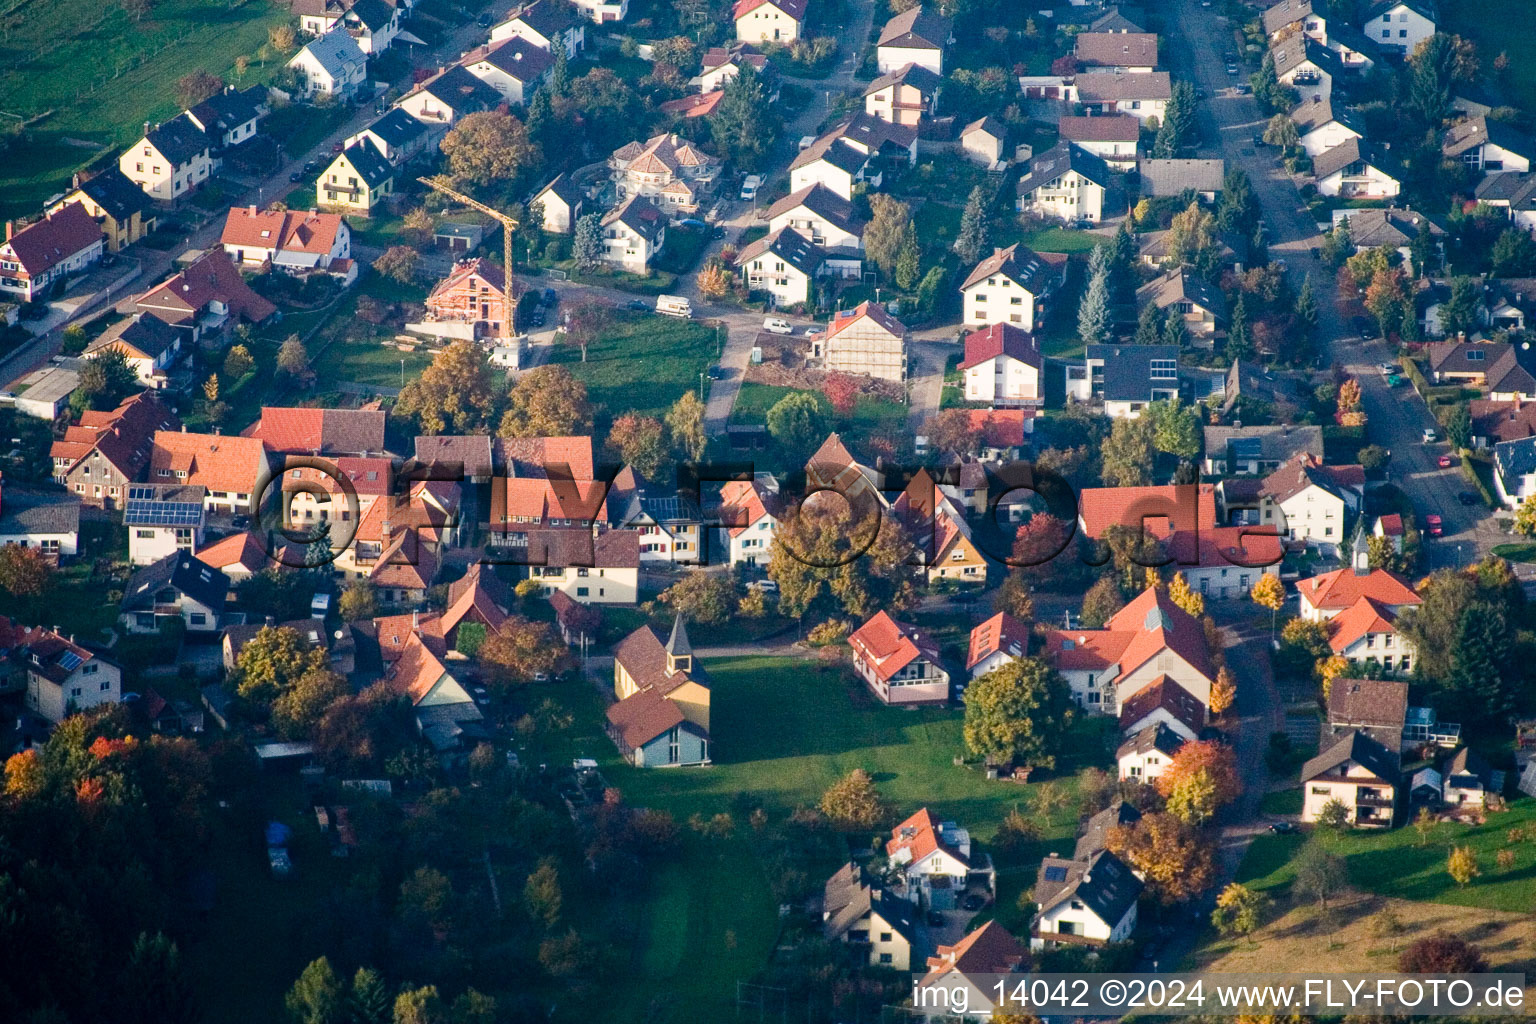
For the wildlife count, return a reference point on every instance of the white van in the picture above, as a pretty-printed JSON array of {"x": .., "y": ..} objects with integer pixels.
[
  {"x": 750, "y": 185},
  {"x": 674, "y": 305},
  {"x": 777, "y": 325}
]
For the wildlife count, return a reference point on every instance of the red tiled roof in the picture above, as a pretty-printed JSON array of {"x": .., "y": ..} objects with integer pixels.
[
  {"x": 533, "y": 456},
  {"x": 919, "y": 835},
  {"x": 1003, "y": 428},
  {"x": 319, "y": 430},
  {"x": 1167, "y": 694},
  {"x": 537, "y": 499},
  {"x": 889, "y": 646},
  {"x": 238, "y": 549},
  {"x": 1220, "y": 546},
  {"x": 1362, "y": 617},
  {"x": 218, "y": 462},
  {"x": 212, "y": 277},
  {"x": 44, "y": 244},
  {"x": 405, "y": 563},
  {"x": 289, "y": 230},
  {"x": 695, "y": 104},
  {"x": 394, "y": 632},
  {"x": 1341, "y": 588},
  {"x": 1161, "y": 625},
  {"x": 1001, "y": 340},
  {"x": 1002, "y": 632},
  {"x": 1183, "y": 507},
  {"x": 874, "y": 311},
  {"x": 124, "y": 436},
  {"x": 1086, "y": 650},
  {"x": 741, "y": 506},
  {"x": 794, "y": 8},
  {"x": 1392, "y": 525},
  {"x": 990, "y": 949}
]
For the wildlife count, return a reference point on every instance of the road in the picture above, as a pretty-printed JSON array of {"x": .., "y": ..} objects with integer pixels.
[{"x": 1397, "y": 419}]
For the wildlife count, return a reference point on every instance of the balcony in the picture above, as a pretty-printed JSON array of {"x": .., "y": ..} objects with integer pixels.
[{"x": 1363, "y": 799}]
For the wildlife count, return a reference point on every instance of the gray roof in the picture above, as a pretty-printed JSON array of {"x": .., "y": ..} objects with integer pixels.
[
  {"x": 546, "y": 17},
  {"x": 1128, "y": 369},
  {"x": 1294, "y": 51},
  {"x": 915, "y": 75},
  {"x": 1183, "y": 285},
  {"x": 1103, "y": 883},
  {"x": 1273, "y": 443},
  {"x": 1286, "y": 12},
  {"x": 373, "y": 13},
  {"x": 1339, "y": 157},
  {"x": 1355, "y": 746},
  {"x": 918, "y": 29},
  {"x": 1120, "y": 18},
  {"x": 113, "y": 192},
  {"x": 640, "y": 215},
  {"x": 231, "y": 108},
  {"x": 1370, "y": 229},
  {"x": 1064, "y": 157},
  {"x": 334, "y": 51},
  {"x": 1477, "y": 131},
  {"x": 145, "y": 332},
  {"x": 397, "y": 128},
  {"x": 853, "y": 892},
  {"x": 788, "y": 245},
  {"x": 1096, "y": 829},
  {"x": 823, "y": 202},
  {"x": 1161, "y": 177},
  {"x": 1515, "y": 459},
  {"x": 197, "y": 580},
  {"x": 1375, "y": 8},
  {"x": 1106, "y": 88},
  {"x": 27, "y": 512},
  {"x": 1517, "y": 191},
  {"x": 565, "y": 189},
  {"x": 461, "y": 91},
  {"x": 179, "y": 139},
  {"x": 164, "y": 505},
  {"x": 1154, "y": 737},
  {"x": 369, "y": 163}
]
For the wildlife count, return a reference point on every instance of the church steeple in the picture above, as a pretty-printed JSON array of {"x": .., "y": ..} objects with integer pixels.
[
  {"x": 1360, "y": 552},
  {"x": 679, "y": 650}
]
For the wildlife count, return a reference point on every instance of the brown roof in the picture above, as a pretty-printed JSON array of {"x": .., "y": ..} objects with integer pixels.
[
  {"x": 990, "y": 949},
  {"x": 1368, "y": 703},
  {"x": 1164, "y": 693},
  {"x": 643, "y": 655},
  {"x": 216, "y": 461},
  {"x": 611, "y": 549},
  {"x": 873, "y": 311},
  {"x": 643, "y": 716},
  {"x": 211, "y": 278},
  {"x": 1117, "y": 49},
  {"x": 1114, "y": 128},
  {"x": 471, "y": 451},
  {"x": 319, "y": 430},
  {"x": 1036, "y": 272},
  {"x": 1503, "y": 421},
  {"x": 46, "y": 243},
  {"x": 1001, "y": 340},
  {"x": 124, "y": 435}
]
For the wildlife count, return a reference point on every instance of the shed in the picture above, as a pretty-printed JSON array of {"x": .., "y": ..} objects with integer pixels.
[
  {"x": 458, "y": 237},
  {"x": 47, "y": 392}
]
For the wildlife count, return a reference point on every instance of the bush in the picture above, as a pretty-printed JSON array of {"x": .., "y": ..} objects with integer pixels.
[{"x": 829, "y": 632}]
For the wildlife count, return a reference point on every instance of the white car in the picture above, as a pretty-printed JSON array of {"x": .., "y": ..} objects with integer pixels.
[
  {"x": 1387, "y": 369},
  {"x": 766, "y": 586},
  {"x": 1430, "y": 437},
  {"x": 778, "y": 325}
]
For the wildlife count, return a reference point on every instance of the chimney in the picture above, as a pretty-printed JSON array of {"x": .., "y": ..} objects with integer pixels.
[
  {"x": 416, "y": 622},
  {"x": 271, "y": 621},
  {"x": 10, "y": 229},
  {"x": 183, "y": 428},
  {"x": 146, "y": 127},
  {"x": 74, "y": 181}
]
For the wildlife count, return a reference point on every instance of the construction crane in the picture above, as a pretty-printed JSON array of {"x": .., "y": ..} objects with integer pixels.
[{"x": 507, "y": 225}]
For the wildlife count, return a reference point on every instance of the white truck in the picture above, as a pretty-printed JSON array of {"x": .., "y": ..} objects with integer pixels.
[
  {"x": 674, "y": 305},
  {"x": 749, "y": 186}
]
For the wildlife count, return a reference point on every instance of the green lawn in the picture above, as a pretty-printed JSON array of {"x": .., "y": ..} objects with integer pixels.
[
  {"x": 643, "y": 363},
  {"x": 1061, "y": 240},
  {"x": 367, "y": 360},
  {"x": 87, "y": 76},
  {"x": 1487, "y": 23},
  {"x": 1284, "y": 801},
  {"x": 870, "y": 414},
  {"x": 1267, "y": 864},
  {"x": 1516, "y": 552}
]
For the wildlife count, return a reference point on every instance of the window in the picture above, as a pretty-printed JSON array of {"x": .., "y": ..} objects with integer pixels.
[
  {"x": 106, "y": 684},
  {"x": 199, "y": 619},
  {"x": 885, "y": 936},
  {"x": 885, "y": 958},
  {"x": 581, "y": 591}
]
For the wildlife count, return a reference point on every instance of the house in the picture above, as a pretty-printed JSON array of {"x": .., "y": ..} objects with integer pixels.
[
  {"x": 1226, "y": 561},
  {"x": 905, "y": 95},
  {"x": 1066, "y": 182},
  {"x": 1201, "y": 304},
  {"x": 1391, "y": 527},
  {"x": 177, "y": 586},
  {"x": 748, "y": 521},
  {"x": 783, "y": 264},
  {"x": 446, "y": 715},
  {"x": 1367, "y": 633},
  {"x": 1354, "y": 51},
  {"x": 1308, "y": 66},
  {"x": 1000, "y": 432},
  {"x": 230, "y": 467},
  {"x": 833, "y": 467},
  {"x": 937, "y": 861},
  {"x": 1003, "y": 367},
  {"x": 823, "y": 216},
  {"x": 514, "y": 67},
  {"x": 170, "y": 160},
  {"x": 1127, "y": 377},
  {"x": 976, "y": 961},
  {"x": 1355, "y": 771},
  {"x": 1492, "y": 365},
  {"x": 915, "y": 36},
  {"x": 899, "y": 663},
  {"x": 604, "y": 11},
  {"x": 1113, "y": 138},
  {"x": 374, "y": 24},
  {"x": 859, "y": 911},
  {"x": 1012, "y": 286},
  {"x": 331, "y": 65},
  {"x": 123, "y": 210},
  {"x": 1346, "y": 171},
  {"x": 1146, "y": 642},
  {"x": 721, "y": 64},
  {"x": 1395, "y": 228},
  {"x": 666, "y": 169},
  {"x": 470, "y": 301},
  {"x": 1141, "y": 96},
  {"x": 998, "y": 641},
  {"x": 1493, "y": 422},
  {"x": 46, "y": 521},
  {"x": 148, "y": 344},
  {"x": 359, "y": 179},
  {"x": 601, "y": 570},
  {"x": 237, "y": 556},
  {"x": 768, "y": 21},
  {"x": 985, "y": 142},
  {"x": 1376, "y": 707},
  {"x": 397, "y": 136},
  {"x": 1487, "y": 145},
  {"x": 36, "y": 260},
  {"x": 1120, "y": 18},
  {"x": 1115, "y": 52},
  {"x": 317, "y": 17},
  {"x": 670, "y": 525},
  {"x": 693, "y": 105},
  {"x": 661, "y": 714},
  {"x": 1312, "y": 502},
  {"x": 1172, "y": 177},
  {"x": 230, "y": 118},
  {"x": 1512, "y": 192},
  {"x": 940, "y": 532},
  {"x": 1399, "y": 25},
  {"x": 634, "y": 232},
  {"x": 1095, "y": 834},
  {"x": 562, "y": 202},
  {"x": 310, "y": 495},
  {"x": 1322, "y": 126},
  {"x": 1466, "y": 780},
  {"x": 865, "y": 340},
  {"x": 545, "y": 23},
  {"x": 1514, "y": 465},
  {"x": 1147, "y": 753},
  {"x": 1258, "y": 451},
  {"x": 47, "y": 394},
  {"x": 1084, "y": 903},
  {"x": 293, "y": 241},
  {"x": 448, "y": 97},
  {"x": 98, "y": 458},
  {"x": 1163, "y": 705},
  {"x": 62, "y": 676},
  {"x": 835, "y": 164},
  {"x": 1330, "y": 594},
  {"x": 312, "y": 431},
  {"x": 1289, "y": 17},
  {"x": 206, "y": 299},
  {"x": 163, "y": 519}
]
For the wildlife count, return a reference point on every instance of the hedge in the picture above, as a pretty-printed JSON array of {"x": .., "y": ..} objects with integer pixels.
[{"x": 1469, "y": 470}]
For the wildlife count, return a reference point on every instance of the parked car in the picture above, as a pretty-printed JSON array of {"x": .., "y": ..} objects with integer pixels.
[
  {"x": 1430, "y": 437},
  {"x": 778, "y": 325},
  {"x": 484, "y": 21},
  {"x": 296, "y": 177},
  {"x": 716, "y": 373},
  {"x": 1395, "y": 381},
  {"x": 1387, "y": 369},
  {"x": 1467, "y": 498},
  {"x": 551, "y": 297},
  {"x": 1445, "y": 462},
  {"x": 766, "y": 586},
  {"x": 1433, "y": 525},
  {"x": 311, "y": 166},
  {"x": 635, "y": 305},
  {"x": 1282, "y": 828},
  {"x": 973, "y": 902}
]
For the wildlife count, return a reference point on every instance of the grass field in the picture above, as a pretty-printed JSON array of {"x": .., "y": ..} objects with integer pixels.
[
  {"x": 1488, "y": 23},
  {"x": 642, "y": 363},
  {"x": 87, "y": 77},
  {"x": 1062, "y": 240}
]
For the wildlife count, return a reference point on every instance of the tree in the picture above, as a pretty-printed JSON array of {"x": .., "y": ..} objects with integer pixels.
[
  {"x": 1180, "y": 594},
  {"x": 542, "y": 893},
  {"x": 842, "y": 390},
  {"x": 292, "y": 357},
  {"x": 454, "y": 394},
  {"x": 1319, "y": 874},
  {"x": 1441, "y": 953},
  {"x": 1269, "y": 592},
  {"x": 640, "y": 441},
  {"x": 685, "y": 422},
  {"x": 24, "y": 572},
  {"x": 281, "y": 37},
  {"x": 1458, "y": 426},
  {"x": 369, "y": 1001},
  {"x": 156, "y": 987},
  {"x": 743, "y": 124},
  {"x": 1176, "y": 860},
  {"x": 138, "y": 10},
  {"x": 1239, "y": 910},
  {"x": 1458, "y": 314},
  {"x": 584, "y": 321},
  {"x": 1223, "y": 691},
  {"x": 587, "y": 243},
  {"x": 420, "y": 1005},
  {"x": 1191, "y": 238},
  {"x": 1093, "y": 311},
  {"x": 1239, "y": 339},
  {"x": 1201, "y": 778},
  {"x": 1385, "y": 299},
  {"x": 702, "y": 597},
  {"x": 358, "y": 601},
  {"x": 908, "y": 261},
  {"x": 890, "y": 223},
  {"x": 1101, "y": 602},
  {"x": 106, "y": 379},
  {"x": 1338, "y": 245},
  {"x": 1385, "y": 924},
  {"x": 796, "y": 423},
  {"x": 853, "y": 803},
  {"x": 317, "y": 997},
  {"x": 522, "y": 649},
  {"x": 1018, "y": 714},
  {"x": 714, "y": 281},
  {"x": 398, "y": 263},
  {"x": 1038, "y": 542},
  {"x": 1333, "y": 814},
  {"x": 1178, "y": 128},
  {"x": 1126, "y": 453},
  {"x": 238, "y": 362},
  {"x": 1149, "y": 325},
  {"x": 1238, "y": 209},
  {"x": 272, "y": 661},
  {"x": 1437, "y": 64},
  {"x": 1281, "y": 131},
  {"x": 298, "y": 709},
  {"x": 973, "y": 238},
  {"x": 1175, "y": 428},
  {"x": 474, "y": 1007},
  {"x": 487, "y": 147},
  {"x": 196, "y": 86},
  {"x": 418, "y": 224},
  {"x": 1514, "y": 254},
  {"x": 1461, "y": 865},
  {"x": 1525, "y": 516}
]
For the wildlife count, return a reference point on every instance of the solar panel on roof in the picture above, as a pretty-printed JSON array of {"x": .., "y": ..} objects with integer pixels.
[
  {"x": 69, "y": 661},
  {"x": 162, "y": 513},
  {"x": 1055, "y": 874}
]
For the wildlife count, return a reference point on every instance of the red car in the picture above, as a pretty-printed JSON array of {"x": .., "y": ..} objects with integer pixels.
[
  {"x": 1433, "y": 525},
  {"x": 1446, "y": 462}
]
